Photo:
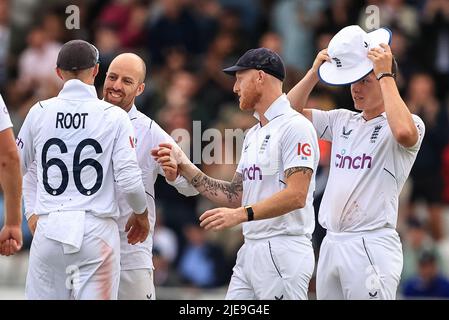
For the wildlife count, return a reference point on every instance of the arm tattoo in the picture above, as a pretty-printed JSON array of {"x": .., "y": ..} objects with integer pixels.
[
  {"x": 231, "y": 190},
  {"x": 303, "y": 170}
]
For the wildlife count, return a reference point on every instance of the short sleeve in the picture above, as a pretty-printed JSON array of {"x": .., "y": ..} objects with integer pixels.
[
  {"x": 421, "y": 131},
  {"x": 299, "y": 145},
  {"x": 25, "y": 144},
  {"x": 324, "y": 122},
  {"x": 5, "y": 121}
]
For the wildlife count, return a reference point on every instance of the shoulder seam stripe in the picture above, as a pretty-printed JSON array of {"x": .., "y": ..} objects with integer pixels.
[
  {"x": 324, "y": 132},
  {"x": 390, "y": 173},
  {"x": 150, "y": 195}
]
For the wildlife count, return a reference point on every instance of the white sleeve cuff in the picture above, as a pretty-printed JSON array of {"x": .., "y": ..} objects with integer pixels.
[
  {"x": 137, "y": 199},
  {"x": 183, "y": 186}
]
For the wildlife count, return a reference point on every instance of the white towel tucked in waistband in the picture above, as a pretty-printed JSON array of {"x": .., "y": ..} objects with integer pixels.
[{"x": 66, "y": 227}]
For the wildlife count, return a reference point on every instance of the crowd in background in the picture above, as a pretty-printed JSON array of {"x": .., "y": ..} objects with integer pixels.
[{"x": 186, "y": 44}]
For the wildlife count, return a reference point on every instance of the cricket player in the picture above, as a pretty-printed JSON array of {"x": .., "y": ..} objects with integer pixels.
[
  {"x": 11, "y": 183},
  {"x": 372, "y": 155},
  {"x": 273, "y": 186},
  {"x": 79, "y": 145},
  {"x": 125, "y": 80}
]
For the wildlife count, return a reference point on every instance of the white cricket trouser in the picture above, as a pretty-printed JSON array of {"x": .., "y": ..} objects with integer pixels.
[
  {"x": 359, "y": 265},
  {"x": 91, "y": 273},
  {"x": 277, "y": 268},
  {"x": 136, "y": 285}
]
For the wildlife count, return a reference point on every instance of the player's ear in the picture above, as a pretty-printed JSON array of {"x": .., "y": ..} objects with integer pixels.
[
  {"x": 58, "y": 72},
  {"x": 260, "y": 76},
  {"x": 95, "y": 71},
  {"x": 140, "y": 89}
]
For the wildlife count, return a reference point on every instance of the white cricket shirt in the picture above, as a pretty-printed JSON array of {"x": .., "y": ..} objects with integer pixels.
[
  {"x": 288, "y": 140},
  {"x": 148, "y": 135},
  {"x": 80, "y": 145},
  {"x": 5, "y": 121},
  {"x": 367, "y": 171}
]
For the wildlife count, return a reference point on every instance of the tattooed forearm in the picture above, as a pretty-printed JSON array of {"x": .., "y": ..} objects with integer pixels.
[
  {"x": 303, "y": 170},
  {"x": 218, "y": 190}
]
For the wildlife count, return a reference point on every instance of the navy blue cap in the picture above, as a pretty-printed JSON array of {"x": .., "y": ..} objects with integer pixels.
[
  {"x": 77, "y": 55},
  {"x": 260, "y": 59}
]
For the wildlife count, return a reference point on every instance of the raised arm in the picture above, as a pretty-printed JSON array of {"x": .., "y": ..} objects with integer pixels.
[
  {"x": 399, "y": 117},
  {"x": 299, "y": 94}
]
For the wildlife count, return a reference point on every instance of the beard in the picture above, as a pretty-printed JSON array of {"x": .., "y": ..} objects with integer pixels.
[
  {"x": 250, "y": 99},
  {"x": 122, "y": 101}
]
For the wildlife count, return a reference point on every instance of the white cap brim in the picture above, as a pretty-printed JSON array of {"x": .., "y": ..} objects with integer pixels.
[{"x": 331, "y": 75}]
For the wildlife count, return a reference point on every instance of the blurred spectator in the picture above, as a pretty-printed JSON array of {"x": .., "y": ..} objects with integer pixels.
[
  {"x": 37, "y": 62},
  {"x": 129, "y": 18},
  {"x": 231, "y": 21},
  {"x": 428, "y": 283},
  {"x": 426, "y": 172},
  {"x": 175, "y": 115},
  {"x": 165, "y": 239},
  {"x": 338, "y": 14},
  {"x": 107, "y": 41},
  {"x": 54, "y": 25},
  {"x": 4, "y": 40},
  {"x": 207, "y": 13},
  {"x": 215, "y": 85},
  {"x": 415, "y": 241},
  {"x": 446, "y": 174},
  {"x": 202, "y": 264},
  {"x": 175, "y": 27},
  {"x": 400, "y": 14},
  {"x": 295, "y": 22},
  {"x": 272, "y": 41},
  {"x": 249, "y": 13},
  {"x": 433, "y": 46},
  {"x": 165, "y": 251}
]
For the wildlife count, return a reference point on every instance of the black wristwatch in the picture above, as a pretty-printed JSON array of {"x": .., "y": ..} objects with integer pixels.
[
  {"x": 385, "y": 74},
  {"x": 249, "y": 212}
]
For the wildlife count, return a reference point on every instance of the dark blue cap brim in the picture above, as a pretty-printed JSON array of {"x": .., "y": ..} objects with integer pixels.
[{"x": 232, "y": 70}]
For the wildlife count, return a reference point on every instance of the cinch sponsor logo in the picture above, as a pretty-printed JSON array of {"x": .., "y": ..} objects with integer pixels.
[
  {"x": 348, "y": 162},
  {"x": 252, "y": 173}
]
